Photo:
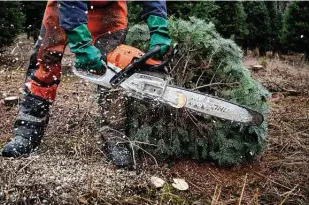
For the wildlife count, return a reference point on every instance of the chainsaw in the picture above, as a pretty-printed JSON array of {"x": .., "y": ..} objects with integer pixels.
[{"x": 138, "y": 74}]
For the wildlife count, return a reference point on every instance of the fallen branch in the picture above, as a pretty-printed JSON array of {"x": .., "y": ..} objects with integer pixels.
[
  {"x": 32, "y": 160},
  {"x": 215, "y": 196},
  {"x": 243, "y": 190},
  {"x": 261, "y": 175},
  {"x": 288, "y": 194}
]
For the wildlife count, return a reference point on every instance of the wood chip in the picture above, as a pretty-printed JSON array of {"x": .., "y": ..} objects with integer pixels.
[
  {"x": 180, "y": 184},
  {"x": 82, "y": 200},
  {"x": 21, "y": 90},
  {"x": 11, "y": 101},
  {"x": 157, "y": 182}
]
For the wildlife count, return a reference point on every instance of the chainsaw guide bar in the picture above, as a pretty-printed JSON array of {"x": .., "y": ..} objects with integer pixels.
[{"x": 144, "y": 86}]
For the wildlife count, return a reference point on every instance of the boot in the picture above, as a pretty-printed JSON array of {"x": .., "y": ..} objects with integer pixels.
[
  {"x": 29, "y": 127},
  {"x": 118, "y": 150}
]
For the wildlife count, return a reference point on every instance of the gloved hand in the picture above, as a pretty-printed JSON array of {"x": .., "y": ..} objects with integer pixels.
[
  {"x": 158, "y": 27},
  {"x": 87, "y": 56}
]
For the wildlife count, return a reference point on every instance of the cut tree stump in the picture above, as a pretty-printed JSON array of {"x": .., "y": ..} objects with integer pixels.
[
  {"x": 11, "y": 101},
  {"x": 257, "y": 67}
]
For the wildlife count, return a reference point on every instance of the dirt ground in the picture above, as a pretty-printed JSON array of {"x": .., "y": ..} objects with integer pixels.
[{"x": 71, "y": 168}]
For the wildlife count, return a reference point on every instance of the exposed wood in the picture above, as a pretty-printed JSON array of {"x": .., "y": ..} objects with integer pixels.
[
  {"x": 11, "y": 101},
  {"x": 257, "y": 67}
]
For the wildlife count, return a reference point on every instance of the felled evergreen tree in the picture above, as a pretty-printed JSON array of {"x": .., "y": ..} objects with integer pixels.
[
  {"x": 204, "y": 58},
  {"x": 296, "y": 27},
  {"x": 11, "y": 21},
  {"x": 134, "y": 12}
]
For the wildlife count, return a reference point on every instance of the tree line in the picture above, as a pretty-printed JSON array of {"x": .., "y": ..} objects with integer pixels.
[{"x": 279, "y": 26}]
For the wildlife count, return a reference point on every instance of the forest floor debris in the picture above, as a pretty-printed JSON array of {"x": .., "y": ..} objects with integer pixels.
[{"x": 71, "y": 168}]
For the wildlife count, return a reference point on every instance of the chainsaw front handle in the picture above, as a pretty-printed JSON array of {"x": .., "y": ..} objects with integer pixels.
[
  {"x": 139, "y": 63},
  {"x": 149, "y": 54},
  {"x": 166, "y": 61}
]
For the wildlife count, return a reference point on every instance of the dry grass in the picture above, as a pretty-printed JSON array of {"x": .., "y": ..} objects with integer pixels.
[
  {"x": 285, "y": 74},
  {"x": 71, "y": 168}
]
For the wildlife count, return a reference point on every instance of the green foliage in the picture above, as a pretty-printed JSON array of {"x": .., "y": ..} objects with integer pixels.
[
  {"x": 141, "y": 34},
  {"x": 134, "y": 12},
  {"x": 205, "y": 10},
  {"x": 251, "y": 24},
  {"x": 205, "y": 57},
  {"x": 11, "y": 21},
  {"x": 231, "y": 20},
  {"x": 228, "y": 17},
  {"x": 258, "y": 22},
  {"x": 276, "y": 18},
  {"x": 296, "y": 27}
]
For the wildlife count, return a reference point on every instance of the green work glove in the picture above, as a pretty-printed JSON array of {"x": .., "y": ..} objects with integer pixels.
[
  {"x": 87, "y": 56},
  {"x": 158, "y": 27}
]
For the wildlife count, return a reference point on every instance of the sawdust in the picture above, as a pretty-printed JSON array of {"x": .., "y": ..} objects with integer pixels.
[{"x": 67, "y": 177}]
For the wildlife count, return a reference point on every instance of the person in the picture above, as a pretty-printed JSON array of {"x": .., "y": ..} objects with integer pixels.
[{"x": 90, "y": 29}]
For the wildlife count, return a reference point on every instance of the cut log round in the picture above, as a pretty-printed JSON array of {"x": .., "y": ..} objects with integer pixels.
[{"x": 11, "y": 101}]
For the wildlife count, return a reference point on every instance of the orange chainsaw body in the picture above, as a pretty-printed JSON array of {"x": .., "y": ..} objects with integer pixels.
[{"x": 124, "y": 55}]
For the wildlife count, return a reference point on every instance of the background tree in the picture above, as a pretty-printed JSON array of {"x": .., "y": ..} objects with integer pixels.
[
  {"x": 33, "y": 11},
  {"x": 275, "y": 17},
  {"x": 258, "y": 22},
  {"x": 231, "y": 21},
  {"x": 205, "y": 10},
  {"x": 295, "y": 31},
  {"x": 11, "y": 21}
]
